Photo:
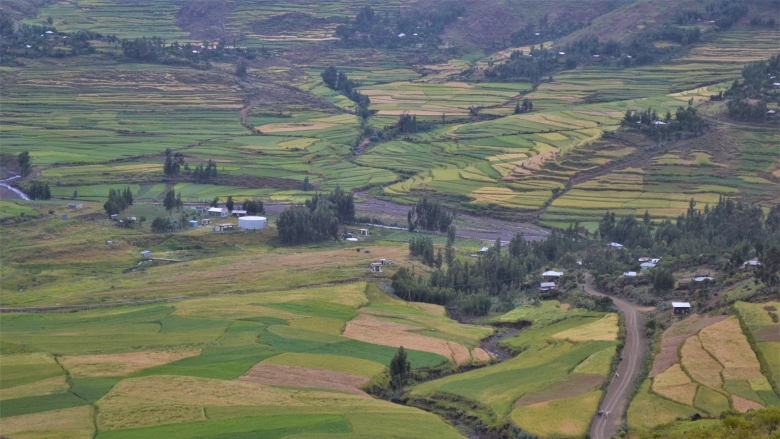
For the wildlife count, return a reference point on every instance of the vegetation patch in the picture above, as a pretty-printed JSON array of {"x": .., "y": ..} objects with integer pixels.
[
  {"x": 648, "y": 410},
  {"x": 566, "y": 417},
  {"x": 71, "y": 423},
  {"x": 700, "y": 365},
  {"x": 604, "y": 329},
  {"x": 710, "y": 401}
]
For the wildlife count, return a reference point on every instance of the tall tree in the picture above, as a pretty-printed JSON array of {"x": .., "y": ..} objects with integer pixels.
[
  {"x": 400, "y": 370},
  {"x": 24, "y": 163}
]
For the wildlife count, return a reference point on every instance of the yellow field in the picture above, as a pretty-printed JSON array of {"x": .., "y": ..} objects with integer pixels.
[
  {"x": 604, "y": 329},
  {"x": 120, "y": 364},
  {"x": 675, "y": 385},
  {"x": 43, "y": 387},
  {"x": 335, "y": 363},
  {"x": 726, "y": 342},
  {"x": 598, "y": 363},
  {"x": 566, "y": 417},
  {"x": 700, "y": 365},
  {"x": 72, "y": 423}
]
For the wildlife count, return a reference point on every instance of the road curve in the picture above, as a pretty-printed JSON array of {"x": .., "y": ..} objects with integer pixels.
[{"x": 619, "y": 390}]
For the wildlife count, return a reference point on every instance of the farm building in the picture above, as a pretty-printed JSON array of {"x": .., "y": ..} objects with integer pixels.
[
  {"x": 615, "y": 245},
  {"x": 252, "y": 222},
  {"x": 546, "y": 286},
  {"x": 643, "y": 260},
  {"x": 552, "y": 274},
  {"x": 375, "y": 267},
  {"x": 205, "y": 222},
  {"x": 223, "y": 228},
  {"x": 484, "y": 249},
  {"x": 365, "y": 232},
  {"x": 681, "y": 307},
  {"x": 193, "y": 223},
  {"x": 218, "y": 212},
  {"x": 146, "y": 253},
  {"x": 751, "y": 264},
  {"x": 629, "y": 274},
  {"x": 238, "y": 213}
]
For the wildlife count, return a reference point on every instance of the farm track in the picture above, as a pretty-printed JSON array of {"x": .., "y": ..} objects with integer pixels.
[{"x": 617, "y": 397}]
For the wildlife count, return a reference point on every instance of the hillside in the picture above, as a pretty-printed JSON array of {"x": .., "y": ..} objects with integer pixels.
[{"x": 476, "y": 218}]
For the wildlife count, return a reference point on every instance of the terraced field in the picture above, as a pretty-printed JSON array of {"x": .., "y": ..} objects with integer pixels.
[
  {"x": 263, "y": 362},
  {"x": 716, "y": 370},
  {"x": 564, "y": 358}
]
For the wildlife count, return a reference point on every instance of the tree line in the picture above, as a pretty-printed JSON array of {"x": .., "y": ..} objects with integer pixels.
[
  {"x": 35, "y": 41},
  {"x": 318, "y": 219},
  {"x": 339, "y": 82}
]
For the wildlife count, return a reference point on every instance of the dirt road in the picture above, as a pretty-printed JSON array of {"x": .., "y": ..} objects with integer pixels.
[{"x": 616, "y": 400}]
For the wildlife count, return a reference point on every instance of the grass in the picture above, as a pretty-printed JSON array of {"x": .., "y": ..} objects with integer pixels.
[
  {"x": 675, "y": 385},
  {"x": 648, "y": 410},
  {"x": 710, "y": 401}
]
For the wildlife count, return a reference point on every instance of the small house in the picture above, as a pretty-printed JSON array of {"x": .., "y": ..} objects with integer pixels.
[
  {"x": 643, "y": 259},
  {"x": 646, "y": 265},
  {"x": 375, "y": 267},
  {"x": 193, "y": 223},
  {"x": 109, "y": 242},
  {"x": 654, "y": 260},
  {"x": 659, "y": 122},
  {"x": 220, "y": 212},
  {"x": 223, "y": 228},
  {"x": 146, "y": 254},
  {"x": 115, "y": 217},
  {"x": 365, "y": 232},
  {"x": 238, "y": 213},
  {"x": 681, "y": 308},
  {"x": 703, "y": 279},
  {"x": 205, "y": 222},
  {"x": 484, "y": 249},
  {"x": 629, "y": 274},
  {"x": 546, "y": 286},
  {"x": 65, "y": 216},
  {"x": 561, "y": 53},
  {"x": 75, "y": 206},
  {"x": 615, "y": 245},
  {"x": 770, "y": 113},
  {"x": 401, "y": 35},
  {"x": 552, "y": 274},
  {"x": 383, "y": 261},
  {"x": 751, "y": 264}
]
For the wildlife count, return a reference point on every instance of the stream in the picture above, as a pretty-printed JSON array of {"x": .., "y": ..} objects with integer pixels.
[{"x": 4, "y": 183}]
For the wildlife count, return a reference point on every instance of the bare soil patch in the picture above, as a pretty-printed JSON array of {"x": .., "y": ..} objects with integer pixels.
[
  {"x": 744, "y": 405},
  {"x": 372, "y": 330},
  {"x": 573, "y": 385},
  {"x": 673, "y": 338},
  {"x": 468, "y": 226},
  {"x": 293, "y": 376}
]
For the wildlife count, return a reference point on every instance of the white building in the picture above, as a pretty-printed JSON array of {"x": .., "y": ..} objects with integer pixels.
[
  {"x": 681, "y": 307},
  {"x": 647, "y": 265},
  {"x": 218, "y": 211},
  {"x": 552, "y": 274},
  {"x": 252, "y": 222},
  {"x": 146, "y": 253},
  {"x": 615, "y": 245},
  {"x": 546, "y": 286}
]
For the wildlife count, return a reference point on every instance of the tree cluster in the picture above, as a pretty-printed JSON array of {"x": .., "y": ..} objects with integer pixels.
[
  {"x": 33, "y": 41},
  {"x": 118, "y": 200},
  {"x": 172, "y": 201},
  {"x": 749, "y": 98},
  {"x": 408, "y": 29},
  {"x": 423, "y": 247},
  {"x": 318, "y": 219},
  {"x": 685, "y": 121},
  {"x": 204, "y": 174},
  {"x": 253, "y": 207},
  {"x": 155, "y": 50},
  {"x": 528, "y": 105},
  {"x": 38, "y": 191},
  {"x": 173, "y": 163},
  {"x": 23, "y": 160},
  {"x": 429, "y": 215}
]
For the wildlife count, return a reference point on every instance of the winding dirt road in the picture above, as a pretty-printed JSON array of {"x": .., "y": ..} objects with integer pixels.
[{"x": 619, "y": 390}]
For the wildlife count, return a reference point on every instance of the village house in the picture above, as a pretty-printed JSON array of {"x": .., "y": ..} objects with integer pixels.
[
  {"x": 681, "y": 308},
  {"x": 546, "y": 286},
  {"x": 552, "y": 275},
  {"x": 218, "y": 212},
  {"x": 375, "y": 267}
]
